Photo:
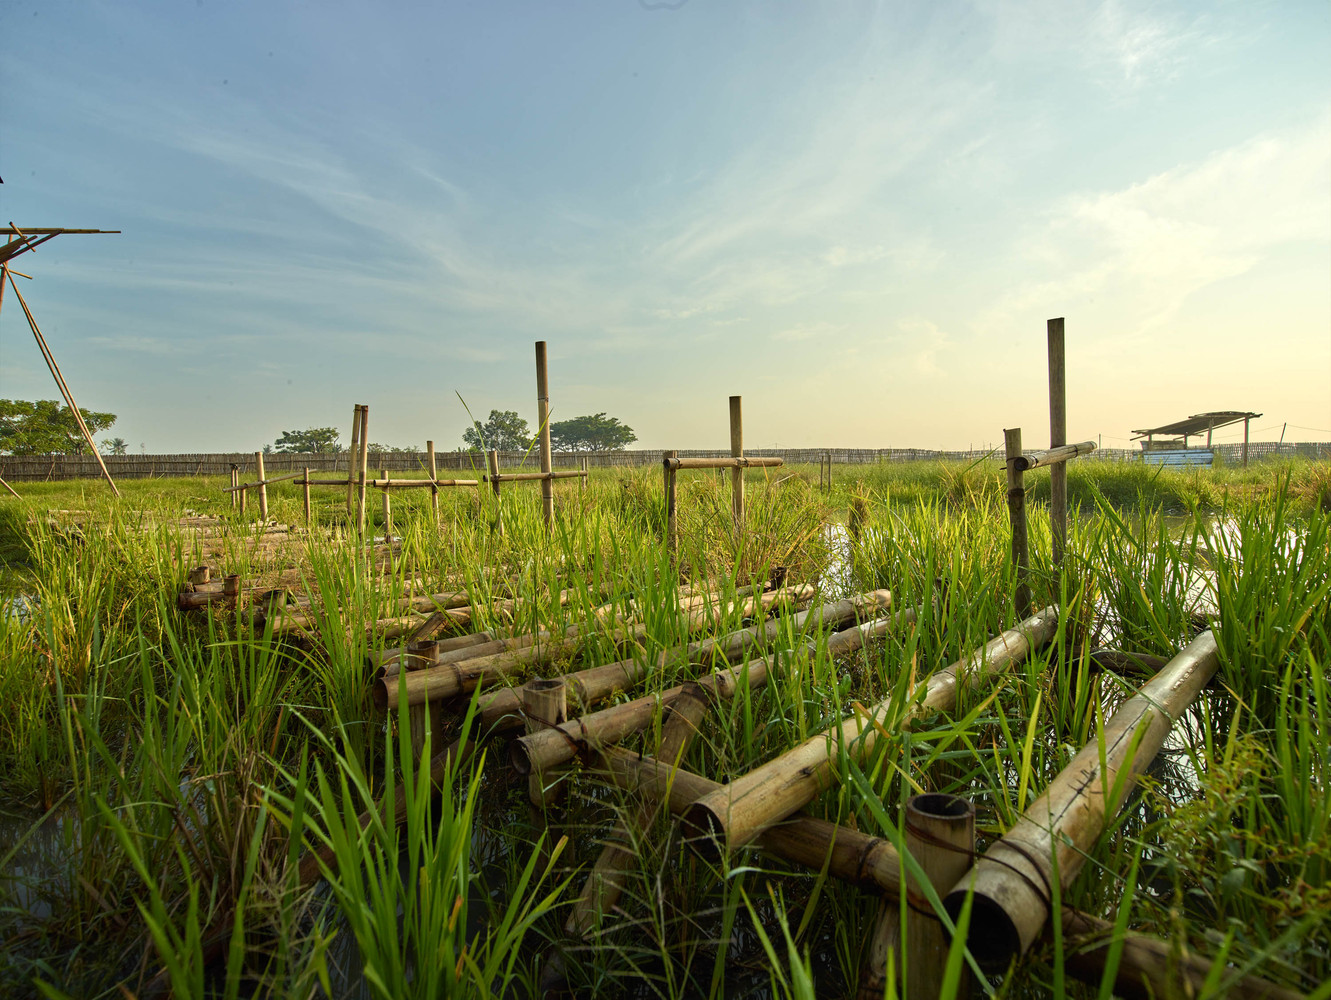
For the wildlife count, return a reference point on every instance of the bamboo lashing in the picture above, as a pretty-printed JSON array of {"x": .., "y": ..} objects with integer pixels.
[{"x": 732, "y": 817}]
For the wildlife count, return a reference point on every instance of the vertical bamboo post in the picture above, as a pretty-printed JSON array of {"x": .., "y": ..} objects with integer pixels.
[
  {"x": 235, "y": 481},
  {"x": 306, "y": 486},
  {"x": 671, "y": 525},
  {"x": 940, "y": 835},
  {"x": 353, "y": 455},
  {"x": 737, "y": 474},
  {"x": 263, "y": 488},
  {"x": 493, "y": 459},
  {"x": 388, "y": 514},
  {"x": 434, "y": 482},
  {"x": 242, "y": 491},
  {"x": 421, "y": 655},
  {"x": 364, "y": 466},
  {"x": 545, "y": 704},
  {"x": 1058, "y": 436},
  {"x": 885, "y": 940},
  {"x": 543, "y": 416},
  {"x": 1245, "y": 441},
  {"x": 1016, "y": 505},
  {"x": 231, "y": 585},
  {"x": 582, "y": 483}
]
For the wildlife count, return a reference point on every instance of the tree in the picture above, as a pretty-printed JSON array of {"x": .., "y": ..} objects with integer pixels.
[
  {"x": 504, "y": 431},
  {"x": 594, "y": 433},
  {"x": 311, "y": 441},
  {"x": 389, "y": 449},
  {"x": 114, "y": 446},
  {"x": 46, "y": 427}
]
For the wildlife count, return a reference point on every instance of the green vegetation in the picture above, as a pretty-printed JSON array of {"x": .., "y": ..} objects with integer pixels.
[
  {"x": 504, "y": 430},
  {"x": 46, "y": 427},
  {"x": 591, "y": 433},
  {"x": 311, "y": 441},
  {"x": 161, "y": 773}
]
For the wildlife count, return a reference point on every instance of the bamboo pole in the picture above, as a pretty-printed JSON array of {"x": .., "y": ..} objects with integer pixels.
[
  {"x": 493, "y": 459},
  {"x": 308, "y": 511},
  {"x": 434, "y": 484},
  {"x": 59, "y": 378},
  {"x": 421, "y": 655},
  {"x": 244, "y": 491},
  {"x": 582, "y": 483},
  {"x": 737, "y": 474},
  {"x": 534, "y": 477},
  {"x": 364, "y": 467},
  {"x": 672, "y": 527},
  {"x": 940, "y": 835},
  {"x": 1054, "y": 457},
  {"x": 545, "y": 704},
  {"x": 727, "y": 463},
  {"x": 1245, "y": 441},
  {"x": 735, "y": 815},
  {"x": 543, "y": 417},
  {"x": 1012, "y": 881},
  {"x": 263, "y": 488},
  {"x": 388, "y": 511},
  {"x": 235, "y": 482},
  {"x": 1058, "y": 436},
  {"x": 1016, "y": 505},
  {"x": 353, "y": 455}
]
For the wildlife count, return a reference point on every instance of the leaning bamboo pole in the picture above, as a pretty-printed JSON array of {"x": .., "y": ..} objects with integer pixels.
[
  {"x": 434, "y": 485},
  {"x": 353, "y": 454},
  {"x": 1012, "y": 881},
  {"x": 59, "y": 377},
  {"x": 733, "y": 816}
]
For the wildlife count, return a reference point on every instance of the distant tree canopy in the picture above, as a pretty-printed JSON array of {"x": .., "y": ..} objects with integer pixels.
[
  {"x": 46, "y": 427},
  {"x": 388, "y": 449},
  {"x": 504, "y": 431},
  {"x": 311, "y": 441},
  {"x": 593, "y": 433}
]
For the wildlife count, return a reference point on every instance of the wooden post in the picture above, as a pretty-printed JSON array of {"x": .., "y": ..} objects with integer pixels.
[
  {"x": 235, "y": 481},
  {"x": 388, "y": 515},
  {"x": 353, "y": 455},
  {"x": 1058, "y": 435},
  {"x": 242, "y": 491},
  {"x": 545, "y": 704},
  {"x": 737, "y": 474},
  {"x": 200, "y": 575},
  {"x": 364, "y": 466},
  {"x": 493, "y": 458},
  {"x": 582, "y": 483},
  {"x": 231, "y": 585},
  {"x": 434, "y": 482},
  {"x": 1245, "y": 441},
  {"x": 671, "y": 525},
  {"x": 306, "y": 486},
  {"x": 1016, "y": 505},
  {"x": 940, "y": 835},
  {"x": 543, "y": 416},
  {"x": 263, "y": 488}
]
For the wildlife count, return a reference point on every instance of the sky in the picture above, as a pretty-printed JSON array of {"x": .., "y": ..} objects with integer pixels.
[{"x": 857, "y": 216}]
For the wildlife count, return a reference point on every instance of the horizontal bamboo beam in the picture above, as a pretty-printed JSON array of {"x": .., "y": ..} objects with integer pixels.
[
  {"x": 25, "y": 231},
  {"x": 1038, "y": 459},
  {"x": 532, "y": 477},
  {"x": 401, "y": 484},
  {"x": 1012, "y": 879},
  {"x": 742, "y": 462},
  {"x": 267, "y": 481},
  {"x": 734, "y": 815}
]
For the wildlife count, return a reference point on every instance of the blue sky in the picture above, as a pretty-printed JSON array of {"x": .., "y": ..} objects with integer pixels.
[{"x": 858, "y": 216}]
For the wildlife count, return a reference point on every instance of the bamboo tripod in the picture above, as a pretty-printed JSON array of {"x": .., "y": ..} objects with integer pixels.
[{"x": 19, "y": 242}]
